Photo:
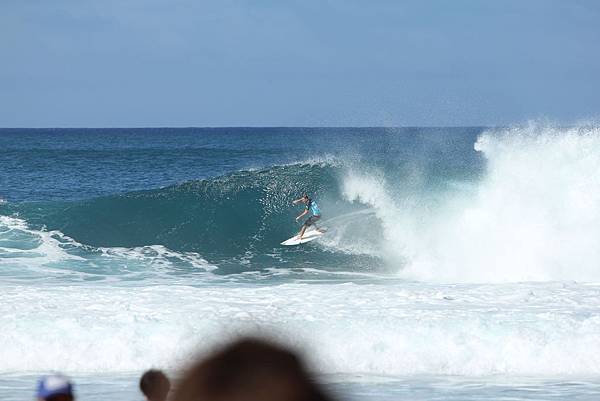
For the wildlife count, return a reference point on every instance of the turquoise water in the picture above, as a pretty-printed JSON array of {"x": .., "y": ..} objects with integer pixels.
[{"x": 459, "y": 263}]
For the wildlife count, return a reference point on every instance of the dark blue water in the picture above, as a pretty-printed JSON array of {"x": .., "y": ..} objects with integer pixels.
[{"x": 68, "y": 164}]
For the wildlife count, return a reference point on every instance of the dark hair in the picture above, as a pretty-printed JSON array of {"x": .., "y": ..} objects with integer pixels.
[
  {"x": 155, "y": 385},
  {"x": 60, "y": 397},
  {"x": 251, "y": 370}
]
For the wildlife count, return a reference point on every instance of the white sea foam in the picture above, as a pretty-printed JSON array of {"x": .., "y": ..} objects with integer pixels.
[
  {"x": 23, "y": 249},
  {"x": 391, "y": 329},
  {"x": 535, "y": 214},
  {"x": 27, "y": 253},
  {"x": 346, "y": 234}
]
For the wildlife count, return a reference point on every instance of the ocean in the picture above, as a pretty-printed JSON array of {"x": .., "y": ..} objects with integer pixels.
[{"x": 459, "y": 263}]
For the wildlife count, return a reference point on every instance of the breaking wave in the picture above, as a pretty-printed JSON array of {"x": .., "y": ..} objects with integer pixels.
[{"x": 531, "y": 214}]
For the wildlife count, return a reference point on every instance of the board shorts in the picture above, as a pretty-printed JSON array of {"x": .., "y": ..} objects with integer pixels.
[{"x": 311, "y": 220}]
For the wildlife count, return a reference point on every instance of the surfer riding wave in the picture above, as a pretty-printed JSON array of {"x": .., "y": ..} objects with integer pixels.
[{"x": 310, "y": 207}]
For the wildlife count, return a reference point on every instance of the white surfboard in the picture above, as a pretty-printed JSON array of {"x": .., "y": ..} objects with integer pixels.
[{"x": 308, "y": 236}]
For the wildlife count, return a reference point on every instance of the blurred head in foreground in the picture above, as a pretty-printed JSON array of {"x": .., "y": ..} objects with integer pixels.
[
  {"x": 55, "y": 387},
  {"x": 155, "y": 385},
  {"x": 249, "y": 370}
]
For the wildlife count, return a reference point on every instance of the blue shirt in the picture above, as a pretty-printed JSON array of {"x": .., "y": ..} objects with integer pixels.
[{"x": 313, "y": 207}]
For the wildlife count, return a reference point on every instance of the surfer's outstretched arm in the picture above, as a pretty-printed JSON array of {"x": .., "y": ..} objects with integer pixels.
[
  {"x": 295, "y": 202},
  {"x": 301, "y": 215}
]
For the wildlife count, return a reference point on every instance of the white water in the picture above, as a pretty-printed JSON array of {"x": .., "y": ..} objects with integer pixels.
[
  {"x": 391, "y": 329},
  {"x": 534, "y": 215},
  {"x": 28, "y": 254}
]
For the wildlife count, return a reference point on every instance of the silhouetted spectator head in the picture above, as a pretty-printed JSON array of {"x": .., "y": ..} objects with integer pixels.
[
  {"x": 155, "y": 385},
  {"x": 249, "y": 370},
  {"x": 55, "y": 387}
]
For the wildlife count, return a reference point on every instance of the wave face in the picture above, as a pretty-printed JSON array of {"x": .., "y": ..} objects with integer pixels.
[
  {"x": 223, "y": 216},
  {"x": 235, "y": 222}
]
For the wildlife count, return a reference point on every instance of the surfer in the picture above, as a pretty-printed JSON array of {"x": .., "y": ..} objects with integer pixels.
[{"x": 310, "y": 207}]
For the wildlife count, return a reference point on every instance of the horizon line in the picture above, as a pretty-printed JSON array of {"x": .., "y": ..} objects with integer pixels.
[{"x": 263, "y": 127}]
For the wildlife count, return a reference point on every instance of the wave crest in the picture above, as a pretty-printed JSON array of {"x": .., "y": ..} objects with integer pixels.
[{"x": 533, "y": 215}]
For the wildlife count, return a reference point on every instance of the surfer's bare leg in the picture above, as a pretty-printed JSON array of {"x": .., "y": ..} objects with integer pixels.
[{"x": 303, "y": 230}]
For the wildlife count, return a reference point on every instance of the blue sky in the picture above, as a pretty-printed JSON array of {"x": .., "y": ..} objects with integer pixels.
[{"x": 132, "y": 63}]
